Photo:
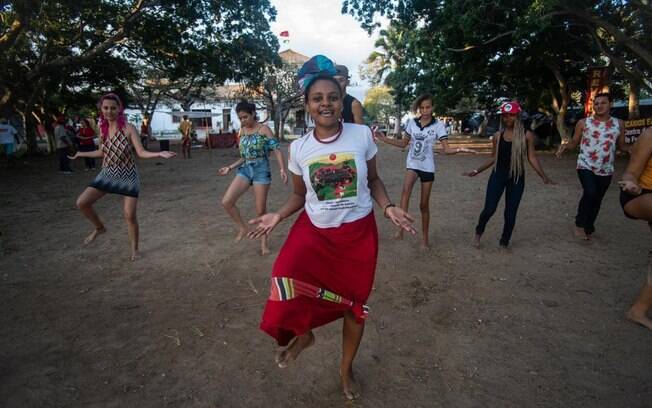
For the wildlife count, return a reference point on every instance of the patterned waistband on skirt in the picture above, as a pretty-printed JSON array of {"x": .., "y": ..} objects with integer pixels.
[{"x": 283, "y": 289}]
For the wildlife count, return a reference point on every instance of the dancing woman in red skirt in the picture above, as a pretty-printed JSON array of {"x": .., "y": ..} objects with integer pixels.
[{"x": 326, "y": 267}]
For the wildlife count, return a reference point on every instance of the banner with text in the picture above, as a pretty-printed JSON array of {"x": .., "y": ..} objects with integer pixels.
[{"x": 634, "y": 128}]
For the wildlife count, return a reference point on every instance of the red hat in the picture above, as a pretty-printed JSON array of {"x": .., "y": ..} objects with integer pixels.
[{"x": 510, "y": 108}]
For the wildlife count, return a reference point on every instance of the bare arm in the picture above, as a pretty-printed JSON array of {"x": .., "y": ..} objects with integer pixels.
[
  {"x": 278, "y": 154},
  {"x": 394, "y": 142},
  {"x": 358, "y": 113},
  {"x": 575, "y": 141},
  {"x": 223, "y": 171},
  {"x": 140, "y": 150},
  {"x": 96, "y": 154},
  {"x": 640, "y": 154},
  {"x": 620, "y": 142},
  {"x": 449, "y": 150},
  {"x": 534, "y": 161},
  {"x": 484, "y": 166},
  {"x": 379, "y": 193}
]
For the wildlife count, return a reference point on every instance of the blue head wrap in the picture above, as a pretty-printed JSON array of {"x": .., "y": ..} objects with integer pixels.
[{"x": 314, "y": 67}]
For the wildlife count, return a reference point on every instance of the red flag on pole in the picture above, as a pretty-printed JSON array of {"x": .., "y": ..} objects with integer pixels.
[{"x": 284, "y": 34}]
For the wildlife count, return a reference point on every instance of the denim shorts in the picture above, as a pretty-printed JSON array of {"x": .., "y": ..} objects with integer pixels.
[{"x": 256, "y": 171}]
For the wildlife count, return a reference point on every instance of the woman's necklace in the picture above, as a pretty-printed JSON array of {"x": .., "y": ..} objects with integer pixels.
[{"x": 332, "y": 138}]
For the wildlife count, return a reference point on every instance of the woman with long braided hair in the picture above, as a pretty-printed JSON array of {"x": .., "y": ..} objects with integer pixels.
[{"x": 511, "y": 147}]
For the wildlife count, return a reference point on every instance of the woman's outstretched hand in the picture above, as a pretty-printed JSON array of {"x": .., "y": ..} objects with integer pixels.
[
  {"x": 401, "y": 219},
  {"x": 266, "y": 224},
  {"x": 166, "y": 154},
  {"x": 74, "y": 156},
  {"x": 223, "y": 171}
]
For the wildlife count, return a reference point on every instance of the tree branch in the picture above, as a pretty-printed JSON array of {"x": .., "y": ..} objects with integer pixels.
[
  {"x": 489, "y": 41},
  {"x": 105, "y": 45}
]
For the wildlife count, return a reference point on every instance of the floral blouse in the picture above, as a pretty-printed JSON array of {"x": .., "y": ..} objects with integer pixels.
[{"x": 598, "y": 146}]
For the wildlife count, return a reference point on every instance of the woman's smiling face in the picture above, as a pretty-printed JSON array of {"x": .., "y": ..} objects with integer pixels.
[{"x": 325, "y": 103}]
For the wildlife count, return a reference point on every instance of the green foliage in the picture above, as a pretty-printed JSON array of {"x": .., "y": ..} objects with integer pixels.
[
  {"x": 535, "y": 50},
  {"x": 379, "y": 104},
  {"x": 60, "y": 55}
]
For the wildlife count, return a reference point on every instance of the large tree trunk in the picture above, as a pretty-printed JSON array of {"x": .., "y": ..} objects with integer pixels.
[
  {"x": 560, "y": 101},
  {"x": 30, "y": 121},
  {"x": 634, "y": 100},
  {"x": 397, "y": 122}
]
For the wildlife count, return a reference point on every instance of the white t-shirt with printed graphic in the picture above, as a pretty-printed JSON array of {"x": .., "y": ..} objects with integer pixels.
[
  {"x": 335, "y": 175},
  {"x": 420, "y": 155}
]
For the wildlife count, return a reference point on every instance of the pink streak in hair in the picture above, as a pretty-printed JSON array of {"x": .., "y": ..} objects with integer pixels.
[{"x": 103, "y": 123}]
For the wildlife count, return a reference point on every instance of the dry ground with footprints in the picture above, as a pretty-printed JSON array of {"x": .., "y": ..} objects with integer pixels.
[{"x": 453, "y": 326}]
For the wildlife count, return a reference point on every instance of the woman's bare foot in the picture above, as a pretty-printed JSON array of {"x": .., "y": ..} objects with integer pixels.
[
  {"x": 241, "y": 234},
  {"x": 398, "y": 235},
  {"x": 91, "y": 237},
  {"x": 581, "y": 234},
  {"x": 425, "y": 245},
  {"x": 292, "y": 351},
  {"x": 135, "y": 255},
  {"x": 350, "y": 387},
  {"x": 638, "y": 315},
  {"x": 476, "y": 240}
]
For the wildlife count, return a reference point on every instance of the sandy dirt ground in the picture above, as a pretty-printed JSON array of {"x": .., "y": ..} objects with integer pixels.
[{"x": 453, "y": 326}]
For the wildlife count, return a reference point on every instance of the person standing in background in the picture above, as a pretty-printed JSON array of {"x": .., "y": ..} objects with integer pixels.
[
  {"x": 351, "y": 107},
  {"x": 145, "y": 131},
  {"x": 8, "y": 140},
  {"x": 63, "y": 144},
  {"x": 86, "y": 136},
  {"x": 186, "y": 141}
]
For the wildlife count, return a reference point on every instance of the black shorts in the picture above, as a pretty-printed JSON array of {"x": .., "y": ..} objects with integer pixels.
[
  {"x": 424, "y": 176},
  {"x": 626, "y": 197}
]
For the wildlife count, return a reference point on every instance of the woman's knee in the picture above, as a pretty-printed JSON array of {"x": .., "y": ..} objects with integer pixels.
[
  {"x": 81, "y": 203},
  {"x": 424, "y": 207},
  {"x": 227, "y": 203}
]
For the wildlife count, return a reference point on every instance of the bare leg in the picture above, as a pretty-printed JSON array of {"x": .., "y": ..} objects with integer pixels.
[
  {"x": 351, "y": 336},
  {"x": 638, "y": 312},
  {"x": 85, "y": 204},
  {"x": 408, "y": 184},
  {"x": 260, "y": 194},
  {"x": 129, "y": 210},
  {"x": 237, "y": 188},
  {"x": 641, "y": 208},
  {"x": 424, "y": 206},
  {"x": 292, "y": 351}
]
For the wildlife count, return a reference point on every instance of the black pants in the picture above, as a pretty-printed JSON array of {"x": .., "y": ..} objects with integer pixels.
[
  {"x": 89, "y": 161},
  {"x": 64, "y": 161},
  {"x": 595, "y": 188},
  {"x": 164, "y": 145},
  {"x": 500, "y": 181}
]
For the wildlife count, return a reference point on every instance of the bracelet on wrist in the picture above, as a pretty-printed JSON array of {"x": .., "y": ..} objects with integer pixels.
[{"x": 386, "y": 207}]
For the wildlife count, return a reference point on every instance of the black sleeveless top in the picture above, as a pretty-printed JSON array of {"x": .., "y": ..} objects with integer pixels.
[
  {"x": 504, "y": 154},
  {"x": 347, "y": 111}
]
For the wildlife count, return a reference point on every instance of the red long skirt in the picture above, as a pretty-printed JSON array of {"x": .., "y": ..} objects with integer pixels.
[{"x": 340, "y": 261}]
